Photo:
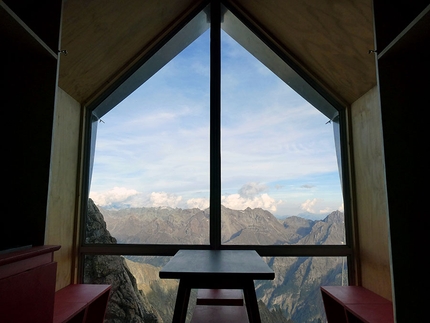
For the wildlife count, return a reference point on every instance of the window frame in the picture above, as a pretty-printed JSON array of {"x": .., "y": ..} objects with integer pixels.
[{"x": 295, "y": 76}]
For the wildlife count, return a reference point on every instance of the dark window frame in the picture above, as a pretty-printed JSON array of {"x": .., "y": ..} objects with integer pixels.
[{"x": 215, "y": 13}]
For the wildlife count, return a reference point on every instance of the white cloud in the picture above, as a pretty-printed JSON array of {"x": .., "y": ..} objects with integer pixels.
[
  {"x": 325, "y": 210},
  {"x": 200, "y": 203},
  {"x": 164, "y": 199},
  {"x": 112, "y": 196},
  {"x": 248, "y": 196},
  {"x": 250, "y": 190},
  {"x": 316, "y": 206},
  {"x": 309, "y": 205},
  {"x": 123, "y": 197},
  {"x": 237, "y": 202}
]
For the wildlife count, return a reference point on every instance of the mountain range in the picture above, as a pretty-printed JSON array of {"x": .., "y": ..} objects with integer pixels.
[{"x": 164, "y": 225}]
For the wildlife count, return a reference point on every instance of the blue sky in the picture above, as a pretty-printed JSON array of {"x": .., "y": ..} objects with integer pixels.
[{"x": 277, "y": 150}]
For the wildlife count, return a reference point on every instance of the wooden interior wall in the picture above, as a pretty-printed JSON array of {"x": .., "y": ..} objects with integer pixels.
[
  {"x": 371, "y": 194},
  {"x": 330, "y": 39},
  {"x": 105, "y": 38},
  {"x": 60, "y": 226}
]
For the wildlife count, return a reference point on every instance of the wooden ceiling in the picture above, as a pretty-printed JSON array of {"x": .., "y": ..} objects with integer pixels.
[{"x": 329, "y": 39}]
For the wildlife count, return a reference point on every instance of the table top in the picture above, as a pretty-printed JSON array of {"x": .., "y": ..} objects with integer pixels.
[{"x": 217, "y": 263}]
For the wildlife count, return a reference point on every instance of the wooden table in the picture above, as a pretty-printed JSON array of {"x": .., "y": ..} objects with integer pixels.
[{"x": 216, "y": 269}]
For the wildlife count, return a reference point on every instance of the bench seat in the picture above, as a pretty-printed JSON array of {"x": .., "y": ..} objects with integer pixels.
[
  {"x": 219, "y": 313},
  {"x": 220, "y": 297}
]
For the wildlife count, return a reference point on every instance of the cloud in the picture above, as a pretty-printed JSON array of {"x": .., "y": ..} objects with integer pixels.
[
  {"x": 250, "y": 195},
  {"x": 164, "y": 199},
  {"x": 238, "y": 202},
  {"x": 307, "y": 186},
  {"x": 123, "y": 197},
  {"x": 112, "y": 196},
  {"x": 251, "y": 189},
  {"x": 325, "y": 210},
  {"x": 309, "y": 205},
  {"x": 199, "y": 203},
  {"x": 314, "y": 206}
]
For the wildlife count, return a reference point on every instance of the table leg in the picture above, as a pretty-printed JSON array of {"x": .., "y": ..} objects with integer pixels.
[
  {"x": 251, "y": 302},
  {"x": 182, "y": 299}
]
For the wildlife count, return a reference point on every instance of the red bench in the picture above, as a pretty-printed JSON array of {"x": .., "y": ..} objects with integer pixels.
[
  {"x": 81, "y": 303},
  {"x": 219, "y": 313},
  {"x": 27, "y": 291},
  {"x": 219, "y": 305},
  {"x": 355, "y": 304},
  {"x": 232, "y": 297}
]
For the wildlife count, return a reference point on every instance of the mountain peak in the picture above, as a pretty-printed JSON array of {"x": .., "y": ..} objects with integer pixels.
[{"x": 335, "y": 216}]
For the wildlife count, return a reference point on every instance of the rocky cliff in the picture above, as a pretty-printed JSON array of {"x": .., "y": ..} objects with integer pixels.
[{"x": 127, "y": 303}]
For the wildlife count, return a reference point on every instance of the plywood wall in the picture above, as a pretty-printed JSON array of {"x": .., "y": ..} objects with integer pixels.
[
  {"x": 60, "y": 226},
  {"x": 371, "y": 194}
]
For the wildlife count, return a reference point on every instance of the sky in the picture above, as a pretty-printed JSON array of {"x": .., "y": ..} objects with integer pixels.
[{"x": 277, "y": 151}]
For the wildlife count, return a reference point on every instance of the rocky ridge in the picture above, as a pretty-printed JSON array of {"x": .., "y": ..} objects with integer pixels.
[
  {"x": 127, "y": 303},
  {"x": 191, "y": 226}
]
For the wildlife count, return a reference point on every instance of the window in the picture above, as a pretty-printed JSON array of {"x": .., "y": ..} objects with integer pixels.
[
  {"x": 278, "y": 155},
  {"x": 215, "y": 128},
  {"x": 152, "y": 152}
]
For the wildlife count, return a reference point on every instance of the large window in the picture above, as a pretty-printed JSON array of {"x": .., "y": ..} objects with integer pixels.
[
  {"x": 152, "y": 155},
  {"x": 278, "y": 154},
  {"x": 219, "y": 141}
]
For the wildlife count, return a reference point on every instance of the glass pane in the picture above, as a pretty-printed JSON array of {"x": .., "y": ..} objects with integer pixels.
[
  {"x": 150, "y": 177},
  {"x": 138, "y": 294},
  {"x": 280, "y": 178},
  {"x": 294, "y": 295}
]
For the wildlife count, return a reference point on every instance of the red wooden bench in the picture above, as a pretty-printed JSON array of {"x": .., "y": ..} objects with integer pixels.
[
  {"x": 81, "y": 303},
  {"x": 355, "y": 304},
  {"x": 219, "y": 313},
  {"x": 232, "y": 297}
]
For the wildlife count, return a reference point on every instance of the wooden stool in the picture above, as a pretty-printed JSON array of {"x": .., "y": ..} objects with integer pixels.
[
  {"x": 232, "y": 297},
  {"x": 217, "y": 314}
]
